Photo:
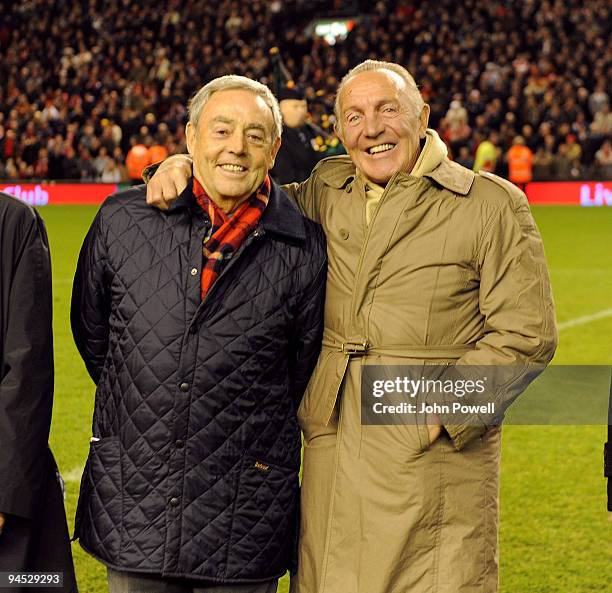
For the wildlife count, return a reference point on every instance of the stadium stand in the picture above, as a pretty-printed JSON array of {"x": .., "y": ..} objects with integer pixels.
[{"x": 84, "y": 81}]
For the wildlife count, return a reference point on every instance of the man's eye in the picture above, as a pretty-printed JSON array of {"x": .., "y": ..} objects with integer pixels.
[
  {"x": 390, "y": 109},
  {"x": 353, "y": 119},
  {"x": 256, "y": 138}
]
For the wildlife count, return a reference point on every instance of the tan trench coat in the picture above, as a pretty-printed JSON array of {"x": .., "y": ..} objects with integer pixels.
[{"x": 451, "y": 268}]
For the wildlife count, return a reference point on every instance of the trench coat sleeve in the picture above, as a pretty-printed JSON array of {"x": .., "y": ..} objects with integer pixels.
[
  {"x": 308, "y": 333},
  {"x": 90, "y": 310},
  {"x": 516, "y": 301},
  {"x": 150, "y": 170},
  {"x": 26, "y": 349},
  {"x": 305, "y": 195}
]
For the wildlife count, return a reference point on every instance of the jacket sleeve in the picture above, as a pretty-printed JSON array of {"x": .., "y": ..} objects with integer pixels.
[
  {"x": 90, "y": 309},
  {"x": 303, "y": 195},
  {"x": 308, "y": 330},
  {"x": 306, "y": 197},
  {"x": 26, "y": 379},
  {"x": 150, "y": 170},
  {"x": 520, "y": 335}
]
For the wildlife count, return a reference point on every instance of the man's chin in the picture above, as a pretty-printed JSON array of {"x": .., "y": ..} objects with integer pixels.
[
  {"x": 232, "y": 190},
  {"x": 378, "y": 175}
]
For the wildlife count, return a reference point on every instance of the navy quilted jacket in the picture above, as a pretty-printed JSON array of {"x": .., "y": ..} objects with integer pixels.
[{"x": 195, "y": 473}]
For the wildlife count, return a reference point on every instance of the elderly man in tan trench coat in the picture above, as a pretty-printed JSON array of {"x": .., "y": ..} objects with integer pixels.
[{"x": 428, "y": 262}]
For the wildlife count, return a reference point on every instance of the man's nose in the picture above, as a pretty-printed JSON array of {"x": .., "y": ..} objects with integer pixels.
[
  {"x": 373, "y": 126},
  {"x": 237, "y": 143}
]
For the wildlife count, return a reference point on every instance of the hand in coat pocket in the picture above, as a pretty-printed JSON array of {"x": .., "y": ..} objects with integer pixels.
[{"x": 434, "y": 428}]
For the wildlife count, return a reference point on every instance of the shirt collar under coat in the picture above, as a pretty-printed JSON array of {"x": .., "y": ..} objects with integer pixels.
[
  {"x": 446, "y": 173},
  {"x": 281, "y": 217}
]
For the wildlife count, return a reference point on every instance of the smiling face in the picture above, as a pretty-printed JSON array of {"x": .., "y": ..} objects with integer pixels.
[
  {"x": 377, "y": 124},
  {"x": 232, "y": 148}
]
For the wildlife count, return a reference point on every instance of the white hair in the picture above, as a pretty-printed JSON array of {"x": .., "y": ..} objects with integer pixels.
[
  {"x": 234, "y": 82},
  {"x": 415, "y": 99}
]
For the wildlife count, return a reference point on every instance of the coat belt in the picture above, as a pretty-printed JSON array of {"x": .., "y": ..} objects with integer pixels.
[
  {"x": 328, "y": 381},
  {"x": 361, "y": 347}
]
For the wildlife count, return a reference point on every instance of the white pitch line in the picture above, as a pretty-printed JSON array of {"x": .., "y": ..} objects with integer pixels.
[{"x": 585, "y": 319}]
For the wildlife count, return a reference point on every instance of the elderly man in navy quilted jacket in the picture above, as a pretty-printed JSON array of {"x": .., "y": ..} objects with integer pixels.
[{"x": 200, "y": 327}]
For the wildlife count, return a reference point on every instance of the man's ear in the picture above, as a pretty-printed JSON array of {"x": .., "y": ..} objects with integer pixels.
[
  {"x": 274, "y": 152},
  {"x": 424, "y": 120},
  {"x": 338, "y": 131},
  {"x": 190, "y": 135}
]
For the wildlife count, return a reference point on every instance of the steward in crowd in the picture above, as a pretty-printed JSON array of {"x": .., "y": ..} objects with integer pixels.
[{"x": 304, "y": 144}]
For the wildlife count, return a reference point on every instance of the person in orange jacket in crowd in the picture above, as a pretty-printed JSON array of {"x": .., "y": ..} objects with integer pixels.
[
  {"x": 138, "y": 157},
  {"x": 157, "y": 150},
  {"x": 520, "y": 162}
]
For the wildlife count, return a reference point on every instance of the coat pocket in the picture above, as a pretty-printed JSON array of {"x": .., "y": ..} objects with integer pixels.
[
  {"x": 319, "y": 401},
  {"x": 264, "y": 520},
  {"x": 99, "y": 509}
]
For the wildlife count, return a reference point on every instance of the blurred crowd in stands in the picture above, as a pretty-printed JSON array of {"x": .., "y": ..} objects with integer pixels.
[{"x": 93, "y": 89}]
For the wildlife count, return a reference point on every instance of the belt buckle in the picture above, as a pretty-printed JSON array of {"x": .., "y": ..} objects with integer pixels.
[{"x": 354, "y": 348}]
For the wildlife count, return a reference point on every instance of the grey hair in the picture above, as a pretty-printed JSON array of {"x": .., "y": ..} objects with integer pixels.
[
  {"x": 232, "y": 82},
  {"x": 412, "y": 90}
]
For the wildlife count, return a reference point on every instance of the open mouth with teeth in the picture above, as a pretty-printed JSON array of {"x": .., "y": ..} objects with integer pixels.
[
  {"x": 233, "y": 168},
  {"x": 380, "y": 148}
]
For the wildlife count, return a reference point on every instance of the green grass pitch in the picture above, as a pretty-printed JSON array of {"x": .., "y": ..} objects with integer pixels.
[{"x": 556, "y": 536}]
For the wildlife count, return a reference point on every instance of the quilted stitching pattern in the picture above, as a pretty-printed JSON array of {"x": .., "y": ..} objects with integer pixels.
[{"x": 172, "y": 485}]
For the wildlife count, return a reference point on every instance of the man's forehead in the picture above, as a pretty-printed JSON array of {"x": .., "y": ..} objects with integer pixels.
[
  {"x": 373, "y": 82},
  {"x": 234, "y": 103},
  {"x": 251, "y": 123}
]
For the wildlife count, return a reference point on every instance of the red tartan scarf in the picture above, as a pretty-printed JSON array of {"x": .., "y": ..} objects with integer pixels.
[{"x": 227, "y": 231}]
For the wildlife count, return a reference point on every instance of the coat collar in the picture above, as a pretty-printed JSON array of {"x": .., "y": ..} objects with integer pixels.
[
  {"x": 338, "y": 172},
  {"x": 280, "y": 217},
  {"x": 453, "y": 177}
]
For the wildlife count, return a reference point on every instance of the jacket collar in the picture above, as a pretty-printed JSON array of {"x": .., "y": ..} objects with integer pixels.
[
  {"x": 433, "y": 152},
  {"x": 280, "y": 217},
  {"x": 439, "y": 168}
]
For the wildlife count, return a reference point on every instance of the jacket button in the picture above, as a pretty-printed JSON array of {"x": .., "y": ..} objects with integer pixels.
[
  {"x": 174, "y": 501},
  {"x": 179, "y": 444},
  {"x": 184, "y": 387},
  {"x": 344, "y": 234},
  {"x": 194, "y": 271}
]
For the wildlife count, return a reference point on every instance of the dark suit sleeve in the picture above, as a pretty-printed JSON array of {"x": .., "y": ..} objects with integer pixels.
[
  {"x": 308, "y": 328},
  {"x": 90, "y": 310},
  {"x": 608, "y": 453},
  {"x": 26, "y": 384}
]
